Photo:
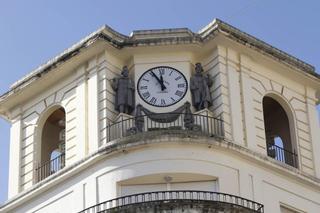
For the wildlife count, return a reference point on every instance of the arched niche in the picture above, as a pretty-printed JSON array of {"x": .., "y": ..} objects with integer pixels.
[
  {"x": 50, "y": 142},
  {"x": 279, "y": 129}
]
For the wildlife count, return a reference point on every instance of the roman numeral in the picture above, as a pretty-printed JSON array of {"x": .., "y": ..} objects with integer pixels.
[
  {"x": 179, "y": 93},
  {"x": 163, "y": 102},
  {"x": 144, "y": 87},
  {"x": 171, "y": 73},
  {"x": 173, "y": 99},
  {"x": 181, "y": 85},
  {"x": 145, "y": 80},
  {"x": 146, "y": 95},
  {"x": 161, "y": 71},
  {"x": 153, "y": 100},
  {"x": 177, "y": 78}
]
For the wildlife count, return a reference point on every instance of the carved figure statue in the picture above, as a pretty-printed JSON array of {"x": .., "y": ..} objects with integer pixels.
[
  {"x": 199, "y": 86},
  {"x": 124, "y": 88},
  {"x": 139, "y": 119}
]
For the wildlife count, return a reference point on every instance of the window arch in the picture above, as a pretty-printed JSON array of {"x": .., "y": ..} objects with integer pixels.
[
  {"x": 279, "y": 131},
  {"x": 51, "y": 143}
]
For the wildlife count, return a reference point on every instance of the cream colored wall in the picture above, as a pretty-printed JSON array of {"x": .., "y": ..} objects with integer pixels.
[
  {"x": 72, "y": 94},
  {"x": 235, "y": 175},
  {"x": 63, "y": 94},
  {"x": 247, "y": 82},
  {"x": 240, "y": 83},
  {"x": 109, "y": 69},
  {"x": 219, "y": 91}
]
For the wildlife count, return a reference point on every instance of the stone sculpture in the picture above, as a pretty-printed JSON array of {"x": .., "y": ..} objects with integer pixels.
[
  {"x": 124, "y": 88},
  {"x": 139, "y": 119},
  {"x": 200, "y": 89}
]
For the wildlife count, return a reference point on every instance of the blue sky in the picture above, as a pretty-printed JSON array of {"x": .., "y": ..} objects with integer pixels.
[{"x": 32, "y": 32}]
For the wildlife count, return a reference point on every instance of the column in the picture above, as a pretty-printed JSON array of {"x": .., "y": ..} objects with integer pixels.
[
  {"x": 235, "y": 97},
  {"x": 247, "y": 105},
  {"x": 82, "y": 114},
  {"x": 15, "y": 157},
  {"x": 314, "y": 133},
  {"x": 93, "y": 131}
]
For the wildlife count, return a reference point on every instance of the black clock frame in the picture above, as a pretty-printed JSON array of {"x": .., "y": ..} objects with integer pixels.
[{"x": 187, "y": 85}]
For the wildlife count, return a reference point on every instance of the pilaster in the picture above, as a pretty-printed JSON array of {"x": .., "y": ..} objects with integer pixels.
[
  {"x": 235, "y": 96},
  {"x": 15, "y": 157},
  {"x": 314, "y": 131},
  {"x": 247, "y": 105},
  {"x": 82, "y": 114},
  {"x": 93, "y": 118}
]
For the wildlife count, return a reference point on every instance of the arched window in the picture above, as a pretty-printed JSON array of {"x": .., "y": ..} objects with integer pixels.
[
  {"x": 278, "y": 133},
  {"x": 52, "y": 145}
]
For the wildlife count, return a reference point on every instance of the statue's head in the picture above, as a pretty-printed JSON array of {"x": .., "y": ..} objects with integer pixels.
[
  {"x": 198, "y": 68},
  {"x": 125, "y": 71}
]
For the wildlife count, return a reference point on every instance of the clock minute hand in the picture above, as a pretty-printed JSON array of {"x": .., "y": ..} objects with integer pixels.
[{"x": 163, "y": 87}]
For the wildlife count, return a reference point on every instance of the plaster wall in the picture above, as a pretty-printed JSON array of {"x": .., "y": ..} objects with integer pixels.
[
  {"x": 232, "y": 173},
  {"x": 65, "y": 96},
  {"x": 247, "y": 82},
  {"x": 240, "y": 83},
  {"x": 72, "y": 94}
]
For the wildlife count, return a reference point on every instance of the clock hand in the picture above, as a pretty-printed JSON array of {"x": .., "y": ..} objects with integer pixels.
[{"x": 163, "y": 87}]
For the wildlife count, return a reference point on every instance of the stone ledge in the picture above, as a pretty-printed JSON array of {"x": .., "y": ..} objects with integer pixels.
[{"x": 158, "y": 137}]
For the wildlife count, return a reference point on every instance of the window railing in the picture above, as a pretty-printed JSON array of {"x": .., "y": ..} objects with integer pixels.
[
  {"x": 177, "y": 199},
  {"x": 48, "y": 168},
  {"x": 204, "y": 124},
  {"x": 283, "y": 155}
]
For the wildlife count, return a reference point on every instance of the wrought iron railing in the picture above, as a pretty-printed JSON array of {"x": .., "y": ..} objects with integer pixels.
[
  {"x": 212, "y": 200},
  {"x": 203, "y": 124},
  {"x": 283, "y": 155},
  {"x": 48, "y": 168}
]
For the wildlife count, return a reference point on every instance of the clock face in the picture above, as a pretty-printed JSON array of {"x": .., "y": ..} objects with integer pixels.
[{"x": 162, "y": 86}]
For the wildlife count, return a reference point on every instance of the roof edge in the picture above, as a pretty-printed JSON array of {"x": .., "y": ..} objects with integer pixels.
[
  {"x": 57, "y": 57},
  {"x": 162, "y": 36},
  {"x": 247, "y": 39}
]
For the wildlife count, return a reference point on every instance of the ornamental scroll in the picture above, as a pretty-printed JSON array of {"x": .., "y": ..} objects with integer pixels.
[{"x": 164, "y": 117}]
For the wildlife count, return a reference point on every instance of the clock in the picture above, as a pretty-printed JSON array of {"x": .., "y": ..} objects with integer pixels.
[{"x": 162, "y": 86}]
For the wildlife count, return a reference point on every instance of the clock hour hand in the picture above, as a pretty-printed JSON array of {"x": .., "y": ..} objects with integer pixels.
[{"x": 163, "y": 87}]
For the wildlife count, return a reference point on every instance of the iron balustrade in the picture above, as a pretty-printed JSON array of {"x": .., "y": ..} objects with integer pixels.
[
  {"x": 212, "y": 199},
  {"x": 50, "y": 167},
  {"x": 281, "y": 154},
  {"x": 204, "y": 124}
]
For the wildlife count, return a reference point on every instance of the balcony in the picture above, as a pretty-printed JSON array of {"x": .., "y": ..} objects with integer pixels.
[
  {"x": 50, "y": 167},
  {"x": 204, "y": 125},
  {"x": 177, "y": 201},
  {"x": 282, "y": 155}
]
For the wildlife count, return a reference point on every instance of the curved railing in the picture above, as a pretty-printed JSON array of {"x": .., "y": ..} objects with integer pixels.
[
  {"x": 283, "y": 155},
  {"x": 50, "y": 167},
  {"x": 203, "y": 124},
  {"x": 211, "y": 200}
]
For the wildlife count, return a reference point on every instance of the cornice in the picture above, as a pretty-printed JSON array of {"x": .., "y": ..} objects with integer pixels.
[
  {"x": 175, "y": 36},
  {"x": 140, "y": 141}
]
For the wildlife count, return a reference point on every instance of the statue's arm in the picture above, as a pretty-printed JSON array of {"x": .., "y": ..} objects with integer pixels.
[
  {"x": 209, "y": 80},
  {"x": 132, "y": 85},
  {"x": 114, "y": 83}
]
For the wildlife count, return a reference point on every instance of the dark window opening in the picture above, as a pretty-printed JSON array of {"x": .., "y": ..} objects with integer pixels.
[
  {"x": 278, "y": 135},
  {"x": 52, "y": 157}
]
